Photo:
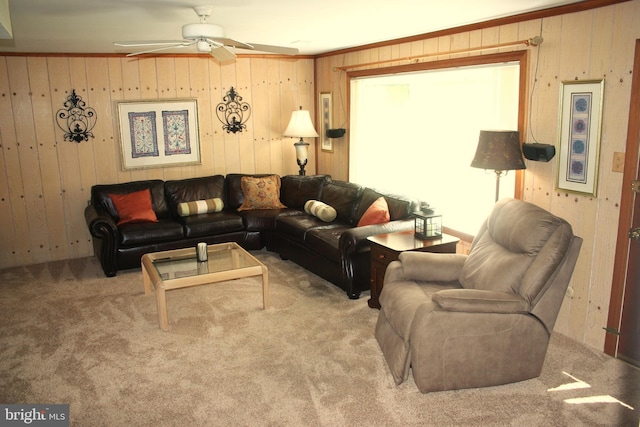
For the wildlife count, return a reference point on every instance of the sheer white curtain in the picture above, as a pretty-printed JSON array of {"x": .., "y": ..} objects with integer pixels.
[{"x": 416, "y": 134}]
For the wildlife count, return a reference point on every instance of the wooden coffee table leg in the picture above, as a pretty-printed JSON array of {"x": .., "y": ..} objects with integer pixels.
[
  {"x": 265, "y": 288},
  {"x": 161, "y": 302}
]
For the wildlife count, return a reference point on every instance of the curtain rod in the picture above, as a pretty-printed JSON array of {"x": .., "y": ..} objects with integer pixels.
[{"x": 533, "y": 41}]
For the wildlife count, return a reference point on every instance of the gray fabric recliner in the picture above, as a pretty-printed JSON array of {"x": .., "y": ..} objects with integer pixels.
[{"x": 483, "y": 319}]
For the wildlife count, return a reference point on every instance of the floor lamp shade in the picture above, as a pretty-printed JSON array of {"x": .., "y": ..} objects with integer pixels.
[{"x": 499, "y": 150}]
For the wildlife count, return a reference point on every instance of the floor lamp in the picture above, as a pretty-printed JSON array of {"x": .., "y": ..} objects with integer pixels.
[{"x": 498, "y": 150}]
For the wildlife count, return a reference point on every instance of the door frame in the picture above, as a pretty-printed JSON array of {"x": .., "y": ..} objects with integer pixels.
[{"x": 626, "y": 214}]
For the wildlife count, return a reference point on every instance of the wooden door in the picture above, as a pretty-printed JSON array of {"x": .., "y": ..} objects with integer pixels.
[
  {"x": 629, "y": 339},
  {"x": 623, "y": 325}
]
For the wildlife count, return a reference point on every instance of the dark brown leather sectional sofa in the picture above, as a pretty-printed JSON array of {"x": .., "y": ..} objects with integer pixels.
[{"x": 338, "y": 251}]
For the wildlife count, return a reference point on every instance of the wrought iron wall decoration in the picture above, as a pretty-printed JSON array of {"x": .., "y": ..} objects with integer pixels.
[
  {"x": 231, "y": 112},
  {"x": 76, "y": 119}
]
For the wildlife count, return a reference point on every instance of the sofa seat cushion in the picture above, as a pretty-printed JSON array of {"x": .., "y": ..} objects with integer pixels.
[
  {"x": 326, "y": 240},
  {"x": 211, "y": 224},
  {"x": 295, "y": 227},
  {"x": 150, "y": 232},
  {"x": 265, "y": 219}
]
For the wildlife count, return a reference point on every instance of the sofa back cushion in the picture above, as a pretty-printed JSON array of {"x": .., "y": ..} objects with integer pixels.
[
  {"x": 296, "y": 190},
  {"x": 193, "y": 189},
  {"x": 400, "y": 207},
  {"x": 100, "y": 196},
  {"x": 343, "y": 196}
]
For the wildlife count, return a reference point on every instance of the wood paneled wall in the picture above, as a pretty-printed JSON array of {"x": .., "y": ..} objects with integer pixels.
[
  {"x": 45, "y": 182},
  {"x": 592, "y": 44}
]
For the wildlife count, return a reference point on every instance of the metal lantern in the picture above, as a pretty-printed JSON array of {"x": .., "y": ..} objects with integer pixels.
[{"x": 428, "y": 224}]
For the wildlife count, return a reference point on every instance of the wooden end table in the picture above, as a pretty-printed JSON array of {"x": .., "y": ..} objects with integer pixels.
[
  {"x": 387, "y": 247},
  {"x": 180, "y": 269}
]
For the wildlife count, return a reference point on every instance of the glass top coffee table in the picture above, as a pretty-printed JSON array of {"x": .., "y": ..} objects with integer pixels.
[{"x": 180, "y": 269}]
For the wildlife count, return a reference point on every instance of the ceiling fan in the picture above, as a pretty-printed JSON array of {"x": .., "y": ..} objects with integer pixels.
[{"x": 207, "y": 38}]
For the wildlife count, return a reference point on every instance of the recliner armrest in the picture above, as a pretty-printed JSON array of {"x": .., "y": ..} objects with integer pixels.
[{"x": 480, "y": 301}]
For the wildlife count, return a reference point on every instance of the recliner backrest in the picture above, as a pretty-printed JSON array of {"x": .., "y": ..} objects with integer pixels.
[{"x": 518, "y": 248}]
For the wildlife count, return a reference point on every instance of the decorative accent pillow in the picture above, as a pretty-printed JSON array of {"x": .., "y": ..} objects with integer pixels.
[
  {"x": 134, "y": 207},
  {"x": 320, "y": 210},
  {"x": 261, "y": 192},
  {"x": 377, "y": 213},
  {"x": 200, "y": 207}
]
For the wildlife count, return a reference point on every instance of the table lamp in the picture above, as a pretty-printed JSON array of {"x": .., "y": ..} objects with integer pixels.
[{"x": 300, "y": 126}]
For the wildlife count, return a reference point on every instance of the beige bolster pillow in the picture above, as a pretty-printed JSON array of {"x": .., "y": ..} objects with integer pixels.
[
  {"x": 320, "y": 210},
  {"x": 200, "y": 207}
]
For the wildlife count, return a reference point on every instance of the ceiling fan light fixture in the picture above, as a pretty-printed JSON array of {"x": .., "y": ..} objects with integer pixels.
[
  {"x": 202, "y": 31},
  {"x": 203, "y": 46}
]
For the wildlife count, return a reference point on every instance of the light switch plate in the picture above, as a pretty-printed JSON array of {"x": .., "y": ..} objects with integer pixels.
[{"x": 618, "y": 162}]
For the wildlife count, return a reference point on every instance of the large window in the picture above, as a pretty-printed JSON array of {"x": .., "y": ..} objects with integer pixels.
[{"x": 415, "y": 133}]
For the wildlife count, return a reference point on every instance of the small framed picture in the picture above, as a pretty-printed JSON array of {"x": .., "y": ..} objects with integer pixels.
[
  {"x": 325, "y": 120},
  {"x": 580, "y": 122},
  {"x": 158, "y": 133}
]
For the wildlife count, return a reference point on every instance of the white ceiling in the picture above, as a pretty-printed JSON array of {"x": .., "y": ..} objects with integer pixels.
[{"x": 312, "y": 26}]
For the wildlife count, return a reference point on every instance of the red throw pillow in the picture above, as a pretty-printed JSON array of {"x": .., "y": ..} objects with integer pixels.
[
  {"x": 134, "y": 207},
  {"x": 377, "y": 213}
]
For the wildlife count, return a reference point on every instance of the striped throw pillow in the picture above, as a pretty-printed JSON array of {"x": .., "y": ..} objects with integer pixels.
[
  {"x": 320, "y": 210},
  {"x": 200, "y": 207}
]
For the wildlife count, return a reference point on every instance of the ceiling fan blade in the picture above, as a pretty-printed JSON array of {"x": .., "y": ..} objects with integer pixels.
[
  {"x": 224, "y": 41},
  {"x": 148, "y": 43},
  {"x": 274, "y": 49},
  {"x": 222, "y": 54},
  {"x": 175, "y": 46}
]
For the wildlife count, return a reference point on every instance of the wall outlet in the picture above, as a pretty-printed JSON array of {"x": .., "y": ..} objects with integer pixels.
[{"x": 618, "y": 162}]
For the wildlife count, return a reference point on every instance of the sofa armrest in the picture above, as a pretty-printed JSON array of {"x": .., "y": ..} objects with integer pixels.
[
  {"x": 480, "y": 301},
  {"x": 431, "y": 267},
  {"x": 100, "y": 223},
  {"x": 103, "y": 227},
  {"x": 355, "y": 238}
]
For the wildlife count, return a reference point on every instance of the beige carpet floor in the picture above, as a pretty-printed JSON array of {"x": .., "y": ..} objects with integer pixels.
[{"x": 70, "y": 335}]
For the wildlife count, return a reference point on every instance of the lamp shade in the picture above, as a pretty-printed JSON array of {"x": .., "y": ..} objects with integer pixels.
[
  {"x": 300, "y": 125},
  {"x": 498, "y": 150}
]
